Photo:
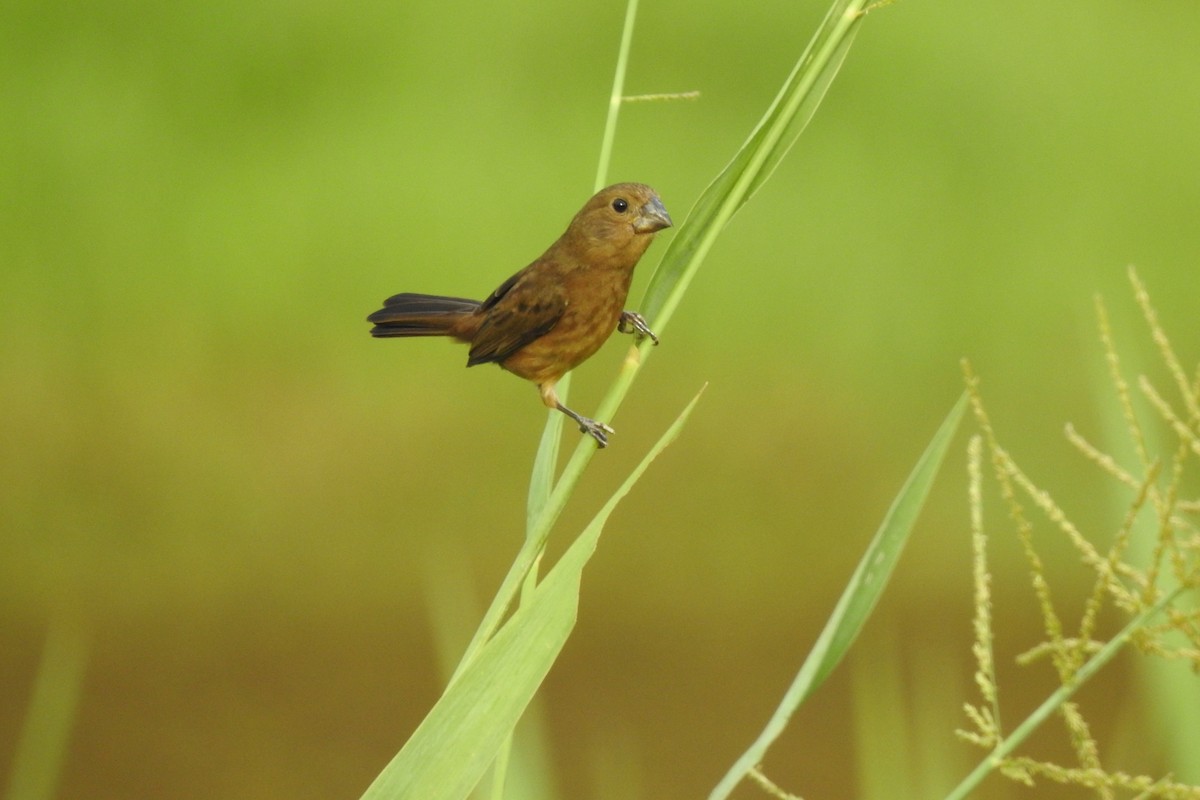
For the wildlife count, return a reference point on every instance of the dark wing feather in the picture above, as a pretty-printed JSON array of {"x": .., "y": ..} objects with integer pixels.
[
  {"x": 516, "y": 313},
  {"x": 502, "y": 290}
]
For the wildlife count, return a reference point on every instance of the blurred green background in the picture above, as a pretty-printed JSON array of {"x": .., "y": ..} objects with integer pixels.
[{"x": 244, "y": 500}]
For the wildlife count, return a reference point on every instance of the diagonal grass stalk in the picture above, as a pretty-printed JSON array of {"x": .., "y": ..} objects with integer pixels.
[
  {"x": 750, "y": 167},
  {"x": 541, "y": 482},
  {"x": 856, "y": 603}
]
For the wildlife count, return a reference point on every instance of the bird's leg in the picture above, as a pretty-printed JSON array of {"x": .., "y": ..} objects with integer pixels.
[
  {"x": 635, "y": 323},
  {"x": 597, "y": 430}
]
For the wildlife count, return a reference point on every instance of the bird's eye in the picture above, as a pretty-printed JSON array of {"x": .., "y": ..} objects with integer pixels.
[{"x": 620, "y": 205}]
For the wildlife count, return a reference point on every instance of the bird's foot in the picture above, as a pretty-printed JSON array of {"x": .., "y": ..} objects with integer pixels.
[
  {"x": 635, "y": 323},
  {"x": 597, "y": 430}
]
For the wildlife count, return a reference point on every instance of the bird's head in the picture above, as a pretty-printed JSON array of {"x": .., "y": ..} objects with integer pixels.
[{"x": 619, "y": 222}]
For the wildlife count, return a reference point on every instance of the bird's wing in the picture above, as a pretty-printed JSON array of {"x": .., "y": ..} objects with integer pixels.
[{"x": 524, "y": 308}]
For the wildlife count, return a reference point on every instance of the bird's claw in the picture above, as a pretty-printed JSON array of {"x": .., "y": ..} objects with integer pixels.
[
  {"x": 597, "y": 430},
  {"x": 635, "y": 323}
]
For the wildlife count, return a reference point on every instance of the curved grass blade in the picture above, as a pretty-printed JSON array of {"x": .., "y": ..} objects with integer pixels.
[
  {"x": 453, "y": 746},
  {"x": 857, "y": 600}
]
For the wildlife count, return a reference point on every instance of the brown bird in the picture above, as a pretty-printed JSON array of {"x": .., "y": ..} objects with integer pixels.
[{"x": 553, "y": 315}]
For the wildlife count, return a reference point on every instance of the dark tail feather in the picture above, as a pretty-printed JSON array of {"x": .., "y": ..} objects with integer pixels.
[{"x": 420, "y": 315}]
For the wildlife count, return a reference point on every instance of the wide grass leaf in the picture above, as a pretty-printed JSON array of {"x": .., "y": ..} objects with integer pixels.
[{"x": 450, "y": 750}]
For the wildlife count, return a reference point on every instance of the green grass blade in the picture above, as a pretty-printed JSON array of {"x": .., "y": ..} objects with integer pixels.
[
  {"x": 857, "y": 600},
  {"x": 42, "y": 744},
  {"x": 614, "y": 99},
  {"x": 453, "y": 746},
  {"x": 456, "y": 742},
  {"x": 541, "y": 482},
  {"x": 541, "y": 479},
  {"x": 757, "y": 159}
]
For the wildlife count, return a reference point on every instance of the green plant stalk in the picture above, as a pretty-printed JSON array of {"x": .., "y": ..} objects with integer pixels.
[
  {"x": 541, "y": 481},
  {"x": 858, "y": 599},
  {"x": 45, "y": 733},
  {"x": 1055, "y": 700},
  {"x": 749, "y": 168},
  {"x": 500, "y": 768},
  {"x": 614, "y": 100}
]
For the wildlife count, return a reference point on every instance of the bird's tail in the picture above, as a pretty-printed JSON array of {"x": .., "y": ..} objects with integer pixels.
[{"x": 423, "y": 315}]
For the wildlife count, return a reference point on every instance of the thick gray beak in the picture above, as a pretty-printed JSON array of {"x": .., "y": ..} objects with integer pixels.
[{"x": 653, "y": 217}]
